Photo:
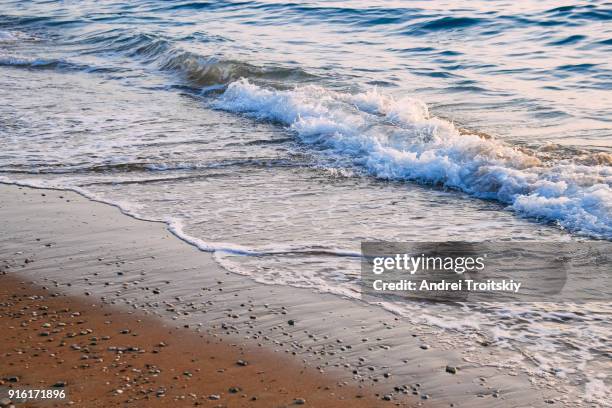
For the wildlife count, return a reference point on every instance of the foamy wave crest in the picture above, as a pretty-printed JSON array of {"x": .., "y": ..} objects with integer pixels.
[{"x": 398, "y": 139}]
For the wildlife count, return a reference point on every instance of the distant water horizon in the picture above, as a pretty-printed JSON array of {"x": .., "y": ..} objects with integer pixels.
[{"x": 280, "y": 135}]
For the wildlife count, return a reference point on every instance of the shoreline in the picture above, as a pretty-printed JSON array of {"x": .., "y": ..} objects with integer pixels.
[{"x": 85, "y": 249}]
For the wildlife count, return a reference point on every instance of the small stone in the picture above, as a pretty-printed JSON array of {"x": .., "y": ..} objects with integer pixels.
[
  {"x": 59, "y": 384},
  {"x": 12, "y": 378},
  {"x": 451, "y": 369},
  {"x": 214, "y": 397},
  {"x": 424, "y": 346},
  {"x": 233, "y": 390},
  {"x": 242, "y": 363},
  {"x": 299, "y": 401},
  {"x": 387, "y": 397},
  {"x": 291, "y": 322}
]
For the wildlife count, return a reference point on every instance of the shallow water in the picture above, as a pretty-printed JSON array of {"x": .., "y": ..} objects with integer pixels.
[{"x": 292, "y": 132}]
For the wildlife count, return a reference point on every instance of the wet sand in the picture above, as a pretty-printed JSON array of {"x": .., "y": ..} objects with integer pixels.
[{"x": 91, "y": 251}]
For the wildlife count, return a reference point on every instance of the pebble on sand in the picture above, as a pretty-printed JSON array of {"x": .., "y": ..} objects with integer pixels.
[{"x": 451, "y": 369}]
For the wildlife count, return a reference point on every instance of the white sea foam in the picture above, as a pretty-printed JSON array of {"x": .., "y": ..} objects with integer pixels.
[
  {"x": 398, "y": 139},
  {"x": 597, "y": 391}
]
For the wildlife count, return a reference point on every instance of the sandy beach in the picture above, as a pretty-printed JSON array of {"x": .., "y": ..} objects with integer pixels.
[
  {"x": 303, "y": 344},
  {"x": 103, "y": 357}
]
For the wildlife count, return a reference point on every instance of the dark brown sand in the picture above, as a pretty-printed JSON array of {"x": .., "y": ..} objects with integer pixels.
[{"x": 107, "y": 357}]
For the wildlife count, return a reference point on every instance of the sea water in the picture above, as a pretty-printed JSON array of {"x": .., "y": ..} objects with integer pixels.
[{"x": 279, "y": 135}]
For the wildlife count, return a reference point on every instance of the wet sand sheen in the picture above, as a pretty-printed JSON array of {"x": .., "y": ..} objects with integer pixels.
[{"x": 64, "y": 241}]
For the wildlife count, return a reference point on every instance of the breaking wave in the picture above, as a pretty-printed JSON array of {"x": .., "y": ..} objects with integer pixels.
[{"x": 397, "y": 139}]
